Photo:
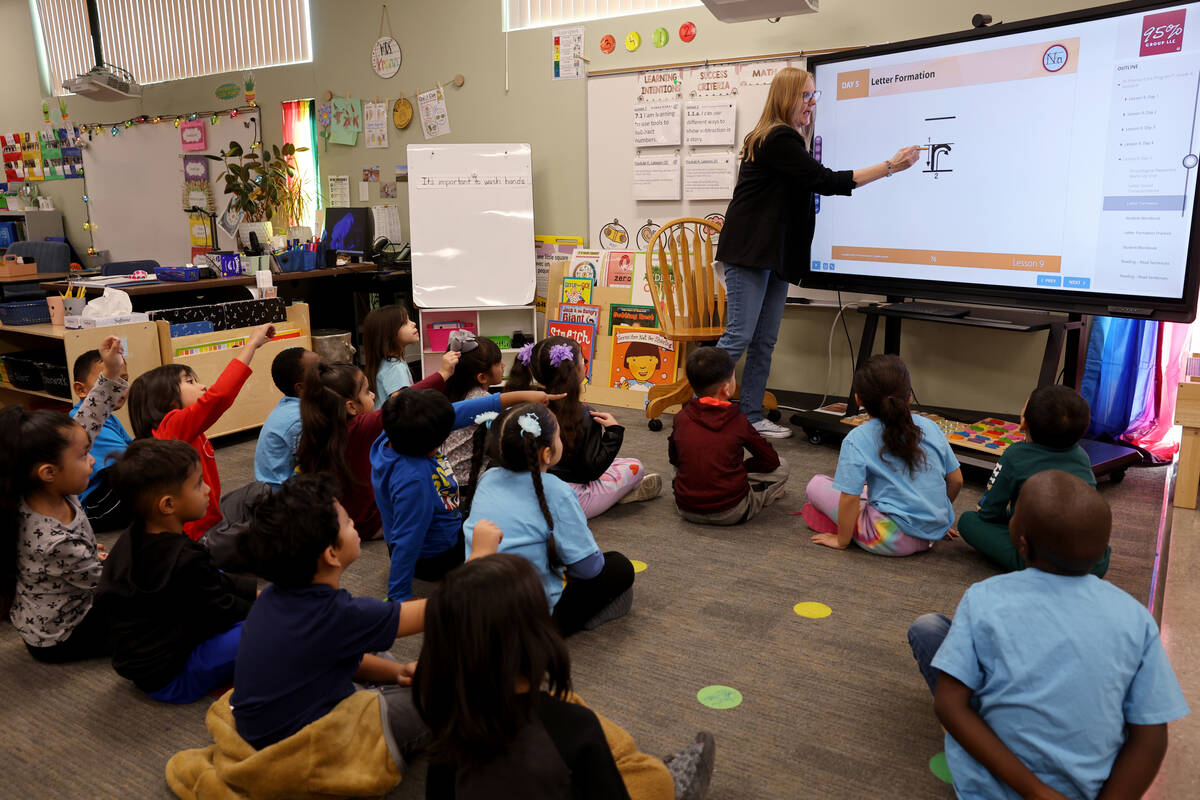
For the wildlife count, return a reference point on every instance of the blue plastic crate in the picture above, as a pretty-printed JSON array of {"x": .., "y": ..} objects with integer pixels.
[{"x": 28, "y": 312}]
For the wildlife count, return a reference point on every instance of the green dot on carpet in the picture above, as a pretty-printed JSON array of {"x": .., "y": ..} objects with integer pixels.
[
  {"x": 720, "y": 697},
  {"x": 939, "y": 767}
]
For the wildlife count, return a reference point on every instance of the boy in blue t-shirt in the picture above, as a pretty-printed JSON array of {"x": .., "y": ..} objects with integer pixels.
[
  {"x": 307, "y": 641},
  {"x": 275, "y": 453},
  {"x": 1050, "y": 682},
  {"x": 103, "y": 507}
]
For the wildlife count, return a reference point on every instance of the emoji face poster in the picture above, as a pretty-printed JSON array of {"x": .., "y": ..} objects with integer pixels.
[{"x": 641, "y": 359}]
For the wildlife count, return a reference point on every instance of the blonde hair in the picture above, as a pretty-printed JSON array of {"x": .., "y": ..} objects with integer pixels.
[{"x": 786, "y": 92}]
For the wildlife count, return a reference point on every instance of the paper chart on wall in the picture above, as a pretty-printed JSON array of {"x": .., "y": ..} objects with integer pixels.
[
  {"x": 387, "y": 223},
  {"x": 656, "y": 177},
  {"x": 709, "y": 176},
  {"x": 656, "y": 124},
  {"x": 375, "y": 118},
  {"x": 709, "y": 122},
  {"x": 435, "y": 121},
  {"x": 339, "y": 191},
  {"x": 568, "y": 47}
]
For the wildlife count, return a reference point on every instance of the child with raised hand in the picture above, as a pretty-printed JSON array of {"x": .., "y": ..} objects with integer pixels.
[
  {"x": 339, "y": 423},
  {"x": 49, "y": 560},
  {"x": 386, "y": 332},
  {"x": 169, "y": 402},
  {"x": 1050, "y": 682},
  {"x": 493, "y": 682},
  {"x": 275, "y": 451},
  {"x": 415, "y": 488},
  {"x": 591, "y": 439},
  {"x": 1054, "y": 419},
  {"x": 479, "y": 369},
  {"x": 104, "y": 511},
  {"x": 542, "y": 520},
  {"x": 176, "y": 619},
  {"x": 910, "y": 472}
]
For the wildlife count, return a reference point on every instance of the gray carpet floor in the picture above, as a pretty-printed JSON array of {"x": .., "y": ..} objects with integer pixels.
[{"x": 833, "y": 708}]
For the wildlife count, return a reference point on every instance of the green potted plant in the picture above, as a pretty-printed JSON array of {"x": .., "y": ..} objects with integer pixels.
[{"x": 265, "y": 188}]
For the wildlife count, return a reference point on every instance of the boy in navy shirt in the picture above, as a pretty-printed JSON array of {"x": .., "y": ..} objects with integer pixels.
[
  {"x": 103, "y": 507},
  {"x": 1050, "y": 682},
  {"x": 307, "y": 641},
  {"x": 275, "y": 453}
]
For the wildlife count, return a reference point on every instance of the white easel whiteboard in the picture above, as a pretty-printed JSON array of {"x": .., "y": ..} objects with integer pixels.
[
  {"x": 471, "y": 219},
  {"x": 612, "y": 99},
  {"x": 135, "y": 187}
]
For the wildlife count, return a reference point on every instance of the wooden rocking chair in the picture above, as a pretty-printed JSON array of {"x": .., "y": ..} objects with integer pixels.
[{"x": 689, "y": 300}]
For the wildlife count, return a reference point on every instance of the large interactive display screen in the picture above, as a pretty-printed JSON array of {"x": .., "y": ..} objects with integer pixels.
[{"x": 1059, "y": 169}]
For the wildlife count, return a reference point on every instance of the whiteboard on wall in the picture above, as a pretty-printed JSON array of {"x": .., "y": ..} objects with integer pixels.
[
  {"x": 135, "y": 187},
  {"x": 470, "y": 209},
  {"x": 617, "y": 112}
]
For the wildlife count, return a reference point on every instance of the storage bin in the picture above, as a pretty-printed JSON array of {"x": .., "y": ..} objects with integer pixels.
[
  {"x": 296, "y": 260},
  {"x": 26, "y": 312},
  {"x": 22, "y": 372},
  {"x": 177, "y": 273},
  {"x": 55, "y": 378},
  {"x": 10, "y": 268},
  {"x": 438, "y": 338},
  {"x": 8, "y": 233}
]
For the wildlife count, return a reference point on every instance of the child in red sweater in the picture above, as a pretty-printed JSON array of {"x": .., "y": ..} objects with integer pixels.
[
  {"x": 170, "y": 402},
  {"x": 713, "y": 484}
]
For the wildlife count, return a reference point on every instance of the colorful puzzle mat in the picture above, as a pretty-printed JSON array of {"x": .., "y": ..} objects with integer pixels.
[{"x": 989, "y": 435}]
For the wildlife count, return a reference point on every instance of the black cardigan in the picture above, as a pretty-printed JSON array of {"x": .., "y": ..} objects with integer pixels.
[{"x": 770, "y": 220}]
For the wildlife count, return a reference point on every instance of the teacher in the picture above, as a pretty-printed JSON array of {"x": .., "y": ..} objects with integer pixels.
[{"x": 769, "y": 224}]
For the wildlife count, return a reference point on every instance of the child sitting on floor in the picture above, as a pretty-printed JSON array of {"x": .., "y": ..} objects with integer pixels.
[
  {"x": 339, "y": 425},
  {"x": 415, "y": 488},
  {"x": 176, "y": 619},
  {"x": 714, "y": 483},
  {"x": 275, "y": 452},
  {"x": 1054, "y": 419},
  {"x": 49, "y": 559},
  {"x": 102, "y": 506},
  {"x": 386, "y": 332},
  {"x": 542, "y": 520},
  {"x": 169, "y": 402},
  {"x": 494, "y": 684},
  {"x": 591, "y": 439},
  {"x": 478, "y": 370},
  {"x": 1049, "y": 681},
  {"x": 910, "y": 472}
]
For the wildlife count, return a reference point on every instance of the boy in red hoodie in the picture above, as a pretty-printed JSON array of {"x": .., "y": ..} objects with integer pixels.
[{"x": 713, "y": 484}]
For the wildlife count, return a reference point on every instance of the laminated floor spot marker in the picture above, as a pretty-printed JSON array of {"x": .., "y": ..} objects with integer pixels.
[
  {"x": 638, "y": 566},
  {"x": 812, "y": 610},
  {"x": 939, "y": 767},
  {"x": 719, "y": 697}
]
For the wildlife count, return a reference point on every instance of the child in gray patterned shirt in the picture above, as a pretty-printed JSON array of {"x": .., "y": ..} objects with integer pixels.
[{"x": 49, "y": 560}]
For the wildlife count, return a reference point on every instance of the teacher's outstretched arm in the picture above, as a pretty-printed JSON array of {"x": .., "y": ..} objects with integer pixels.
[{"x": 905, "y": 157}]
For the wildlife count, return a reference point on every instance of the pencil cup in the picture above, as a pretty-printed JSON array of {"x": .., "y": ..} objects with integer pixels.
[
  {"x": 57, "y": 312},
  {"x": 72, "y": 306}
]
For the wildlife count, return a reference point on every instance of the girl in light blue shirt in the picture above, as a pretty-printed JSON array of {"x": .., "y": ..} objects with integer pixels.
[
  {"x": 910, "y": 473},
  {"x": 542, "y": 520},
  {"x": 386, "y": 333}
]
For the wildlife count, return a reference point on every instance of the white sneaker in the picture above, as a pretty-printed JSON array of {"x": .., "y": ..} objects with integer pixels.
[
  {"x": 648, "y": 489},
  {"x": 772, "y": 431}
]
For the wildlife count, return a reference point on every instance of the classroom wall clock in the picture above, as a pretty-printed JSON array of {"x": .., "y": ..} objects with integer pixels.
[
  {"x": 386, "y": 57},
  {"x": 402, "y": 113},
  {"x": 633, "y": 40}
]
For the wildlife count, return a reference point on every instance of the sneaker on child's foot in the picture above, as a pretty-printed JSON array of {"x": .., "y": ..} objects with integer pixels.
[
  {"x": 771, "y": 430},
  {"x": 692, "y": 767},
  {"x": 649, "y": 488}
]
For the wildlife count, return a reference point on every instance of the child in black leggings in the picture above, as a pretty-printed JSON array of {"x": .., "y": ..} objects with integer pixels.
[{"x": 542, "y": 520}]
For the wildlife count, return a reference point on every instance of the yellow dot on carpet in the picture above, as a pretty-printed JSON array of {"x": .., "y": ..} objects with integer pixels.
[
  {"x": 638, "y": 566},
  {"x": 812, "y": 610}
]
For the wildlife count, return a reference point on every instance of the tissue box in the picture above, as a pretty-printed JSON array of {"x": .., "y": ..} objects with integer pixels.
[{"x": 76, "y": 323}]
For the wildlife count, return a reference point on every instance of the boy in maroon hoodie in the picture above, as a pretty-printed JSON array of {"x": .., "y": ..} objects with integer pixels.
[{"x": 713, "y": 484}]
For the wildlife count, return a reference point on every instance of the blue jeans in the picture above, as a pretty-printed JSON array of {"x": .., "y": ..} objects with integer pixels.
[
  {"x": 754, "y": 307},
  {"x": 925, "y": 636},
  {"x": 210, "y": 666}
]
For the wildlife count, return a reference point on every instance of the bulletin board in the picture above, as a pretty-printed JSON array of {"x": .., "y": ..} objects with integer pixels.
[
  {"x": 618, "y": 101},
  {"x": 135, "y": 187},
  {"x": 470, "y": 208}
]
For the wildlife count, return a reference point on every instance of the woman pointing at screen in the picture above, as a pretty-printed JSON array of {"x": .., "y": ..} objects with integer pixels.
[{"x": 768, "y": 229}]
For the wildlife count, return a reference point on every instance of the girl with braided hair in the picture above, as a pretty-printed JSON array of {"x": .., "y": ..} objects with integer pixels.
[{"x": 542, "y": 520}]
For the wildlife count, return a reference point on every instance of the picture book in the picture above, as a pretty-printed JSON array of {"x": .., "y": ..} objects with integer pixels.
[
  {"x": 581, "y": 332},
  {"x": 618, "y": 268},
  {"x": 641, "y": 359},
  {"x": 578, "y": 312},
  {"x": 632, "y": 316},
  {"x": 586, "y": 264},
  {"x": 576, "y": 290}
]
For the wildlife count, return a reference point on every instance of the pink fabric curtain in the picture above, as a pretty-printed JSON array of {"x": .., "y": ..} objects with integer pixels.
[{"x": 1153, "y": 429}]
